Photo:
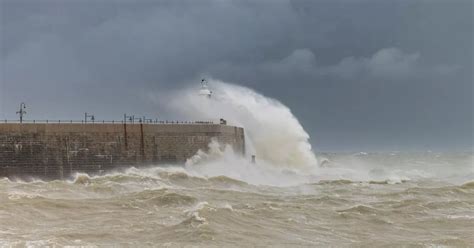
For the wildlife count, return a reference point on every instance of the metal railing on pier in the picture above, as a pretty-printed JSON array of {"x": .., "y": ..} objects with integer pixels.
[{"x": 156, "y": 122}]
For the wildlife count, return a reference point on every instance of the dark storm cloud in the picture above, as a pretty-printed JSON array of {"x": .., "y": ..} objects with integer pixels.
[
  {"x": 359, "y": 74},
  {"x": 388, "y": 63}
]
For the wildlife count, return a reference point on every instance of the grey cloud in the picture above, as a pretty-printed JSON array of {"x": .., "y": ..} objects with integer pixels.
[
  {"x": 393, "y": 63},
  {"x": 341, "y": 66},
  {"x": 387, "y": 63},
  {"x": 390, "y": 63},
  {"x": 301, "y": 61}
]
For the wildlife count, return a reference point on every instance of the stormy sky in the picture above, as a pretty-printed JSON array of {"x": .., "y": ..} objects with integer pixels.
[{"x": 359, "y": 75}]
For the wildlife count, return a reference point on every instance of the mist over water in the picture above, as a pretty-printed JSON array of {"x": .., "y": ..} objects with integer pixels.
[{"x": 220, "y": 199}]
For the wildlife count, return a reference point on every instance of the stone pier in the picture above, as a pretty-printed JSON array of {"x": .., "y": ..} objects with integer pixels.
[{"x": 56, "y": 151}]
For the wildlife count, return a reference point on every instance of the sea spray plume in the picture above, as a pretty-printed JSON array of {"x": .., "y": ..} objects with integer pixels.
[
  {"x": 221, "y": 160},
  {"x": 215, "y": 152},
  {"x": 273, "y": 133}
]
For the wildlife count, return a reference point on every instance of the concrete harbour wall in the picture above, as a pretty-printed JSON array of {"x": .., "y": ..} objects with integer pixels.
[{"x": 55, "y": 151}]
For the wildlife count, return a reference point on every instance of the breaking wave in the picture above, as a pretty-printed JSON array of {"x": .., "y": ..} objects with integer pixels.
[{"x": 273, "y": 133}]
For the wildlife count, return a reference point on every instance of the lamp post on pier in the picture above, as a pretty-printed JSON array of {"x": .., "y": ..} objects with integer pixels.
[
  {"x": 88, "y": 116},
  {"x": 130, "y": 118},
  {"x": 22, "y": 111}
]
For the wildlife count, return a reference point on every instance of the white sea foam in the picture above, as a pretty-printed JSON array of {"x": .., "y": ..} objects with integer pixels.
[{"x": 273, "y": 133}]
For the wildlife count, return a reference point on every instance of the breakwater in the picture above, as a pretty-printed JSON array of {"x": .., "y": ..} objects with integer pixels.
[{"x": 57, "y": 150}]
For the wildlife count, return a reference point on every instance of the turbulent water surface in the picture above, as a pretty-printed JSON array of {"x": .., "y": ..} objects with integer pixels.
[{"x": 356, "y": 200}]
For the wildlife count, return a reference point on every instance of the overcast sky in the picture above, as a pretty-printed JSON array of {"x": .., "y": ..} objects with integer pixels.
[{"x": 360, "y": 75}]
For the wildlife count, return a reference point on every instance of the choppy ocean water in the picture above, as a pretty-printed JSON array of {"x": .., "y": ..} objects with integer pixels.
[{"x": 353, "y": 200}]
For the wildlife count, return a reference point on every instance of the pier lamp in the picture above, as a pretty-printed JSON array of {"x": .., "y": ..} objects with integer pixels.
[
  {"x": 130, "y": 118},
  {"x": 88, "y": 116},
  {"x": 22, "y": 111}
]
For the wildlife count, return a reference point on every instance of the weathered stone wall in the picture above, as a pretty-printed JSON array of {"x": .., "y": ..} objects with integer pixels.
[{"x": 57, "y": 150}]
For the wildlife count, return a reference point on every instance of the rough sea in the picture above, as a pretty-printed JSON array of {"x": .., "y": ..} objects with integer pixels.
[
  {"x": 406, "y": 200},
  {"x": 289, "y": 198}
]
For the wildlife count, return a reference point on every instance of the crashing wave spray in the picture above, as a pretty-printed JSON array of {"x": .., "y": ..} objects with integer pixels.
[{"x": 273, "y": 133}]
